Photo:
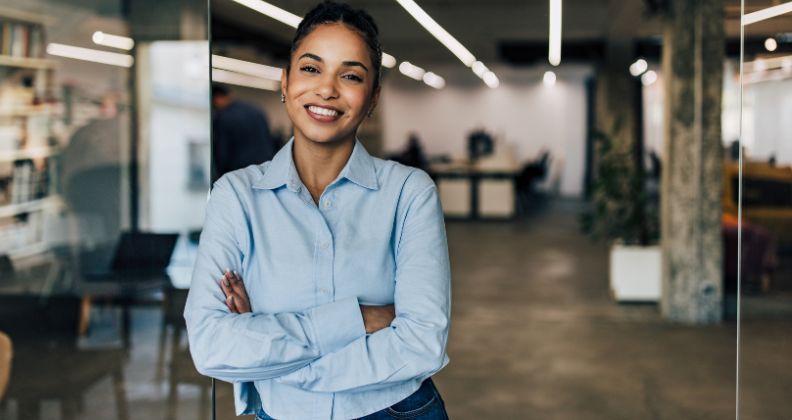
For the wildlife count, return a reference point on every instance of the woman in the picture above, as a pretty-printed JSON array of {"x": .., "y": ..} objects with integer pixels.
[{"x": 344, "y": 310}]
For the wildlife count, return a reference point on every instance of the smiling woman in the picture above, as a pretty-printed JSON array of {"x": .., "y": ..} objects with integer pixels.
[{"x": 345, "y": 305}]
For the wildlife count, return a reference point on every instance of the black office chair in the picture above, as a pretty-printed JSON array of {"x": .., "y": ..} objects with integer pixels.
[
  {"x": 48, "y": 364},
  {"x": 525, "y": 182}
]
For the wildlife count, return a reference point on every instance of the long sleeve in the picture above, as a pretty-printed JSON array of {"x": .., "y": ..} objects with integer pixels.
[
  {"x": 414, "y": 345},
  {"x": 252, "y": 346}
]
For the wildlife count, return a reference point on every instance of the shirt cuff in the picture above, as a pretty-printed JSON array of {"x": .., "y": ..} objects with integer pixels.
[{"x": 337, "y": 324}]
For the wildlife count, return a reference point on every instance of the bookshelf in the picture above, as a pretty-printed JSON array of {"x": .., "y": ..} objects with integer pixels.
[{"x": 28, "y": 147}]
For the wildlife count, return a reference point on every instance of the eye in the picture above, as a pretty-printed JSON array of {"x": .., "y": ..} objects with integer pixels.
[
  {"x": 309, "y": 69},
  {"x": 353, "y": 77}
]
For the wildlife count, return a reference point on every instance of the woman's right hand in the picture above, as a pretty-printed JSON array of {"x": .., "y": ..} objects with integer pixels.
[
  {"x": 376, "y": 318},
  {"x": 236, "y": 296}
]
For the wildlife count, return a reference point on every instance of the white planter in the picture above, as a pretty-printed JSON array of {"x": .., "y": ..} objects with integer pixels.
[{"x": 635, "y": 273}]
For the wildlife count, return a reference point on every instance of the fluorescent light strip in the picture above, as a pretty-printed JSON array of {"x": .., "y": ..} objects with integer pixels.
[
  {"x": 768, "y": 13},
  {"x": 438, "y": 32},
  {"x": 272, "y": 11},
  {"x": 113, "y": 41},
  {"x": 88, "y": 54},
  {"x": 239, "y": 79},
  {"x": 479, "y": 68},
  {"x": 293, "y": 20},
  {"x": 247, "y": 67},
  {"x": 388, "y": 60},
  {"x": 410, "y": 70},
  {"x": 554, "y": 50},
  {"x": 491, "y": 79},
  {"x": 434, "y": 80}
]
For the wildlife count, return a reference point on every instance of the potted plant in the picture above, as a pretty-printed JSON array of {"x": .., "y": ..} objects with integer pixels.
[{"x": 624, "y": 212}]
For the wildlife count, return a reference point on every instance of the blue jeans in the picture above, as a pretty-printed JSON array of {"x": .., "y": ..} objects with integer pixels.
[{"x": 423, "y": 404}]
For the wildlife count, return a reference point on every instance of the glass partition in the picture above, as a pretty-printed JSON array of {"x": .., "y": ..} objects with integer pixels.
[
  {"x": 765, "y": 204},
  {"x": 104, "y": 173}
]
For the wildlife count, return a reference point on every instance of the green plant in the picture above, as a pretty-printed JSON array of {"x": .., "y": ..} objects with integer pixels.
[{"x": 621, "y": 208}]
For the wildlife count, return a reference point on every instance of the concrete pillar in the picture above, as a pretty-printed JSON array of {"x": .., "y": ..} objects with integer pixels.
[{"x": 693, "y": 53}]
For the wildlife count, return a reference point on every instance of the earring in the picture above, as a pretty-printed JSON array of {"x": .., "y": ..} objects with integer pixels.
[
  {"x": 371, "y": 113},
  {"x": 283, "y": 98}
]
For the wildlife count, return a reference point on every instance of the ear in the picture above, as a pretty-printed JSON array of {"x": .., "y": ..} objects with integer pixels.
[{"x": 284, "y": 81}]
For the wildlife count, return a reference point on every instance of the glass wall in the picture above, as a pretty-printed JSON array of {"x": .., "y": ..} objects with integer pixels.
[
  {"x": 104, "y": 173},
  {"x": 765, "y": 204}
]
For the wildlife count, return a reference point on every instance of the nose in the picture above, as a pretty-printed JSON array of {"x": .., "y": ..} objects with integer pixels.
[{"x": 326, "y": 87}]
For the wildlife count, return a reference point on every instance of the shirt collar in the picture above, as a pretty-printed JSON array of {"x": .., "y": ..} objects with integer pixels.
[{"x": 281, "y": 171}]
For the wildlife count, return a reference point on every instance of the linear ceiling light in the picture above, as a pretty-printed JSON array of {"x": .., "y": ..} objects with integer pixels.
[
  {"x": 438, "y": 32},
  {"x": 410, "y": 70},
  {"x": 449, "y": 41},
  {"x": 433, "y": 80},
  {"x": 272, "y": 11},
  {"x": 638, "y": 67},
  {"x": 479, "y": 68},
  {"x": 491, "y": 79},
  {"x": 113, "y": 41},
  {"x": 388, "y": 60},
  {"x": 554, "y": 53},
  {"x": 88, "y": 54},
  {"x": 239, "y": 79},
  {"x": 293, "y": 20},
  {"x": 767, "y": 13},
  {"x": 246, "y": 67}
]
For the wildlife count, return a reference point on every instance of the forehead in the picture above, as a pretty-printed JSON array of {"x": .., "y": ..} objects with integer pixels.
[{"x": 335, "y": 41}]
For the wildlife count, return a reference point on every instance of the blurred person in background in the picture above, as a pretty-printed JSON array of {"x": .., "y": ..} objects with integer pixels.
[
  {"x": 241, "y": 134},
  {"x": 346, "y": 301}
]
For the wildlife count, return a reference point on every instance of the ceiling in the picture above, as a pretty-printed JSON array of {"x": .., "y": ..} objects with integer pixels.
[{"x": 483, "y": 26}]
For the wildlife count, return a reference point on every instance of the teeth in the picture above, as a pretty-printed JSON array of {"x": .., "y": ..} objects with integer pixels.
[{"x": 323, "y": 111}]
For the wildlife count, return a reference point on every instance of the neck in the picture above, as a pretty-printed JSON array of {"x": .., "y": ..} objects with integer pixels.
[{"x": 319, "y": 164}]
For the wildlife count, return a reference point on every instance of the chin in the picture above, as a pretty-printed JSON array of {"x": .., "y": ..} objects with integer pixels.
[{"x": 326, "y": 136}]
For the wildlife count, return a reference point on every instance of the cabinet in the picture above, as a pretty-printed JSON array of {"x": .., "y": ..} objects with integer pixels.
[{"x": 29, "y": 117}]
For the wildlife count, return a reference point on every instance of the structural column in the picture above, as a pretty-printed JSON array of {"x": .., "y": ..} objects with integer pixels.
[{"x": 693, "y": 54}]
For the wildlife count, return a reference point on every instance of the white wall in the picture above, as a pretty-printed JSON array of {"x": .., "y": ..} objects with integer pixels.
[
  {"x": 174, "y": 108},
  {"x": 522, "y": 113},
  {"x": 770, "y": 125}
]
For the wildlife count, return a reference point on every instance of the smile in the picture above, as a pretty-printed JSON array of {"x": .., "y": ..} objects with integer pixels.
[{"x": 323, "y": 114}]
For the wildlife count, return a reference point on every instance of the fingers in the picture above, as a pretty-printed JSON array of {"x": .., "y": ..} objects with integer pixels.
[
  {"x": 229, "y": 292},
  {"x": 234, "y": 282}
]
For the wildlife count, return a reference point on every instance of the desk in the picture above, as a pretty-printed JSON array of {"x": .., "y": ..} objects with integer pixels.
[{"x": 469, "y": 191}]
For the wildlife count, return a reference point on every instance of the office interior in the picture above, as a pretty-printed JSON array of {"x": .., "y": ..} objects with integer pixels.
[{"x": 615, "y": 176}]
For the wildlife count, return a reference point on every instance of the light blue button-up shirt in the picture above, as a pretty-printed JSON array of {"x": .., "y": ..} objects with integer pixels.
[{"x": 376, "y": 237}]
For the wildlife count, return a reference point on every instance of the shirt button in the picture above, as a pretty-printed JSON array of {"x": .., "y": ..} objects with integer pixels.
[
  {"x": 325, "y": 245},
  {"x": 327, "y": 204},
  {"x": 323, "y": 291}
]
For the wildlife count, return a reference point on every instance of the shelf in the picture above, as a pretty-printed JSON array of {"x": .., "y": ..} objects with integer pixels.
[
  {"x": 26, "y": 62},
  {"x": 28, "y": 250},
  {"x": 30, "y": 206},
  {"x": 29, "y": 153},
  {"x": 30, "y": 110},
  {"x": 8, "y": 13}
]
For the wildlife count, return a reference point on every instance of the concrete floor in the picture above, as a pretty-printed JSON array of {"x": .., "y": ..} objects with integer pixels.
[{"x": 535, "y": 335}]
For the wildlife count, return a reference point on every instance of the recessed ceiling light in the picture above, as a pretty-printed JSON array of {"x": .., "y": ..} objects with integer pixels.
[{"x": 770, "y": 44}]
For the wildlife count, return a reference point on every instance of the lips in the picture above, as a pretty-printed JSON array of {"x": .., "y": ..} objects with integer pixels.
[{"x": 323, "y": 113}]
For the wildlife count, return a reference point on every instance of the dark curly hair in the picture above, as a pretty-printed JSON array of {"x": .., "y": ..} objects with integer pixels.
[{"x": 357, "y": 19}]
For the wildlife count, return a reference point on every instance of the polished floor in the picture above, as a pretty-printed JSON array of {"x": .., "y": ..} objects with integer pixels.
[{"x": 535, "y": 335}]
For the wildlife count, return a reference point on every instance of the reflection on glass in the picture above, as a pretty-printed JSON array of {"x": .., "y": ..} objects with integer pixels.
[
  {"x": 766, "y": 205},
  {"x": 104, "y": 171}
]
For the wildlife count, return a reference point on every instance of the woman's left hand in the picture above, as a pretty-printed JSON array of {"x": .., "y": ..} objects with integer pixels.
[{"x": 236, "y": 296}]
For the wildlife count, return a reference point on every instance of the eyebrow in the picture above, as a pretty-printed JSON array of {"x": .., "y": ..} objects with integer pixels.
[{"x": 345, "y": 63}]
